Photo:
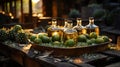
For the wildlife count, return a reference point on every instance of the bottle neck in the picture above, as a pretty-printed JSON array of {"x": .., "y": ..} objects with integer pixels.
[
  {"x": 66, "y": 24},
  {"x": 54, "y": 23},
  {"x": 79, "y": 23},
  {"x": 70, "y": 25},
  {"x": 91, "y": 21}
]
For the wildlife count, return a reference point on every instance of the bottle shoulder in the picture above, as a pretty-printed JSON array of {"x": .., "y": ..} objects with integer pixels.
[
  {"x": 91, "y": 26},
  {"x": 72, "y": 30}
]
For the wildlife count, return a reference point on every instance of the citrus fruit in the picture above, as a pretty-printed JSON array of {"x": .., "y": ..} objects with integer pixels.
[
  {"x": 56, "y": 43},
  {"x": 82, "y": 44},
  {"x": 40, "y": 35},
  {"x": 55, "y": 38},
  {"x": 93, "y": 35},
  {"x": 87, "y": 35},
  {"x": 99, "y": 40},
  {"x": 69, "y": 43},
  {"x": 37, "y": 41},
  {"x": 32, "y": 38},
  {"x": 82, "y": 38},
  {"x": 45, "y": 39},
  {"x": 91, "y": 41},
  {"x": 106, "y": 38},
  {"x": 16, "y": 28}
]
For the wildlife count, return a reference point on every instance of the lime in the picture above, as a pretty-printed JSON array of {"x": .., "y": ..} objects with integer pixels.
[
  {"x": 82, "y": 38},
  {"x": 17, "y": 27},
  {"x": 37, "y": 41},
  {"x": 106, "y": 38},
  {"x": 32, "y": 38},
  {"x": 57, "y": 43},
  {"x": 87, "y": 35},
  {"x": 91, "y": 41},
  {"x": 82, "y": 44},
  {"x": 40, "y": 35},
  {"x": 93, "y": 35},
  {"x": 99, "y": 40},
  {"x": 55, "y": 38},
  {"x": 69, "y": 43},
  {"x": 45, "y": 39}
]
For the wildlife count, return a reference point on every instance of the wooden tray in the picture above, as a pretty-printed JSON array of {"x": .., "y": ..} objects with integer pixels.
[{"x": 71, "y": 51}]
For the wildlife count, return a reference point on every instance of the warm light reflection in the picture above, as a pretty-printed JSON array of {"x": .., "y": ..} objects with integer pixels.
[
  {"x": 35, "y": 1},
  {"x": 10, "y": 14},
  {"x": 40, "y": 15},
  {"x": 26, "y": 48},
  {"x": 118, "y": 43},
  {"x": 2, "y": 12},
  {"x": 77, "y": 60},
  {"x": 34, "y": 15},
  {"x": 84, "y": 31},
  {"x": 55, "y": 33},
  {"x": 12, "y": 17}
]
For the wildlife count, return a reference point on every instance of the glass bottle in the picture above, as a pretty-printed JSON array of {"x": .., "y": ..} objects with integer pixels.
[
  {"x": 80, "y": 29},
  {"x": 66, "y": 24},
  {"x": 70, "y": 33},
  {"x": 91, "y": 27},
  {"x": 53, "y": 28}
]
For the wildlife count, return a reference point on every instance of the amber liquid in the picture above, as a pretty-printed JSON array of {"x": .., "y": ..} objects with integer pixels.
[
  {"x": 70, "y": 36},
  {"x": 50, "y": 32},
  {"x": 82, "y": 31},
  {"x": 88, "y": 31},
  {"x": 118, "y": 43}
]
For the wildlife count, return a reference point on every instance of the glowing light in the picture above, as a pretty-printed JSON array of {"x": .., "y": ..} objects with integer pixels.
[
  {"x": 3, "y": 12},
  {"x": 40, "y": 15},
  {"x": 55, "y": 33},
  {"x": 77, "y": 61},
  {"x": 12, "y": 17},
  {"x": 34, "y": 15},
  {"x": 35, "y": 1},
  {"x": 10, "y": 14}
]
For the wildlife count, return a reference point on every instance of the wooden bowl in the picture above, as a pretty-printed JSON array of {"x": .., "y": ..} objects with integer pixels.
[{"x": 72, "y": 51}]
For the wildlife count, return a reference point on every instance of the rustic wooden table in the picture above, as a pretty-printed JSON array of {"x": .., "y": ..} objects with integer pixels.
[{"x": 29, "y": 57}]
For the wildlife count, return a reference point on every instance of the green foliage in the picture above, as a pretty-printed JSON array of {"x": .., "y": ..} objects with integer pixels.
[
  {"x": 16, "y": 28},
  {"x": 21, "y": 38},
  {"x": 12, "y": 35},
  {"x": 3, "y": 35},
  {"x": 99, "y": 14},
  {"x": 112, "y": 16}
]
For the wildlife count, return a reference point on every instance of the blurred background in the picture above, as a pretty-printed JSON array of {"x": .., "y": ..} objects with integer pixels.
[{"x": 31, "y": 13}]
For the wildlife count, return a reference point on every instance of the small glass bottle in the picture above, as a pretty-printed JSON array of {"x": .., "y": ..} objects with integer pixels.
[
  {"x": 91, "y": 27},
  {"x": 65, "y": 24},
  {"x": 70, "y": 33},
  {"x": 80, "y": 29},
  {"x": 53, "y": 28}
]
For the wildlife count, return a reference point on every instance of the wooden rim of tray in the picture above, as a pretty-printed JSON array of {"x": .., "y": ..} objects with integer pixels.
[{"x": 72, "y": 51}]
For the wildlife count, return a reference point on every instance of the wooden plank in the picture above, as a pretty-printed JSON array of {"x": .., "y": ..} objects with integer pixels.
[
  {"x": 114, "y": 65},
  {"x": 113, "y": 53}
]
